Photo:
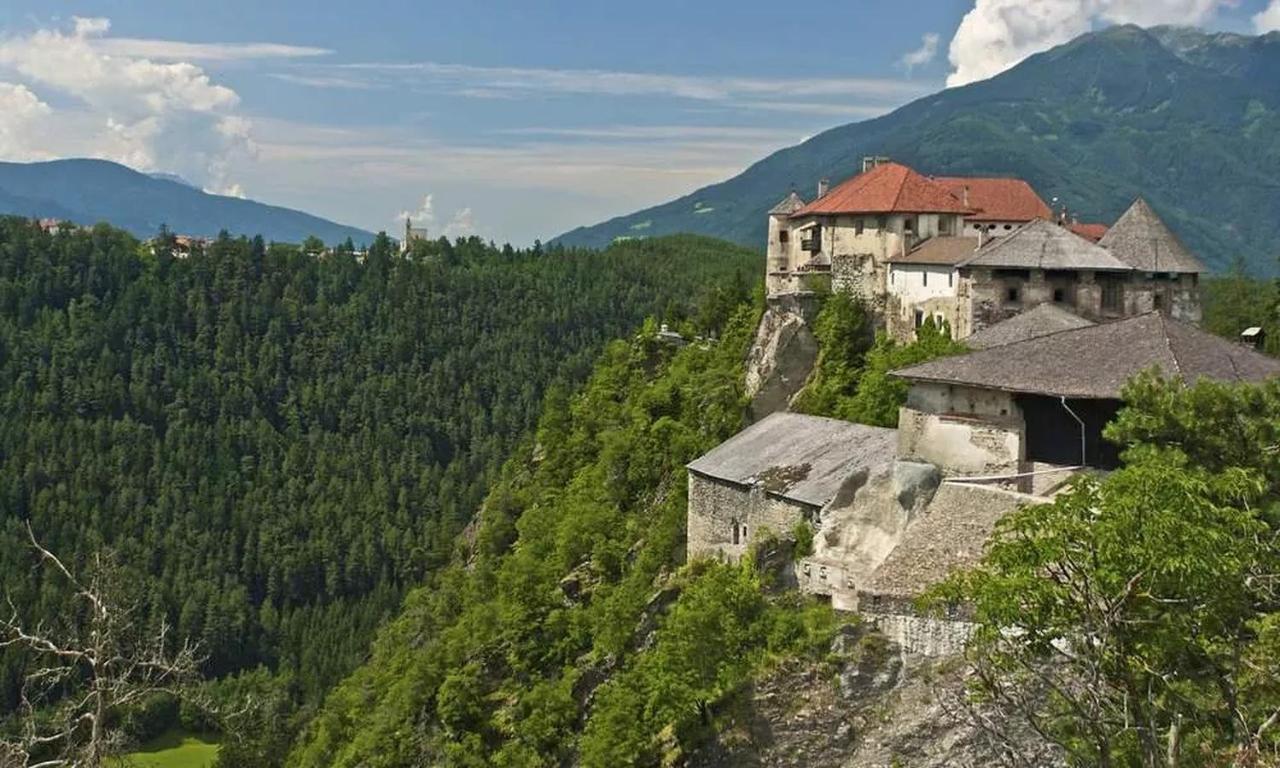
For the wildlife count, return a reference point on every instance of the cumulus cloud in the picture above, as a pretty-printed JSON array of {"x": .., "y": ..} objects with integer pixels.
[
  {"x": 1268, "y": 20},
  {"x": 997, "y": 34},
  {"x": 22, "y": 117},
  {"x": 150, "y": 115},
  {"x": 461, "y": 224},
  {"x": 923, "y": 55}
]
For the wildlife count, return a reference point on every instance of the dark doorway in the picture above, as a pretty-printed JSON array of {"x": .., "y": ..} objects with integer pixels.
[{"x": 1053, "y": 435}]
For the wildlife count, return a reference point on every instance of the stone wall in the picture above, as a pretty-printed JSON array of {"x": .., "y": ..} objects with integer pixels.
[
  {"x": 725, "y": 518},
  {"x": 920, "y": 635},
  {"x": 964, "y": 431}
]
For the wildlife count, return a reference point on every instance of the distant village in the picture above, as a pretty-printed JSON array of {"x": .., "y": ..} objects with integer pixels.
[{"x": 1058, "y": 315}]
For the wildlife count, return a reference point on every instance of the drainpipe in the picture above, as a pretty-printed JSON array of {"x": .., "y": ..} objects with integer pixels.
[{"x": 1083, "y": 453}]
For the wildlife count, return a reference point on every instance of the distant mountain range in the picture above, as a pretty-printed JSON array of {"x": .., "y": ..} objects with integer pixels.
[
  {"x": 89, "y": 191},
  {"x": 1185, "y": 118}
]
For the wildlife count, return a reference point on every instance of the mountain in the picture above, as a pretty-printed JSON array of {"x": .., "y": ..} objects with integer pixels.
[
  {"x": 1185, "y": 118},
  {"x": 88, "y": 191}
]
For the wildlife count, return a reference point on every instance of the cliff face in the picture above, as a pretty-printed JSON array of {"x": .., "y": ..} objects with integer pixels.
[
  {"x": 781, "y": 357},
  {"x": 866, "y": 706}
]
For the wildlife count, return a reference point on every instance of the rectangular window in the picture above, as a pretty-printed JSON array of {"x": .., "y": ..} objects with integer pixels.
[
  {"x": 784, "y": 236},
  {"x": 925, "y": 278},
  {"x": 1112, "y": 295},
  {"x": 858, "y": 225},
  {"x": 919, "y": 318},
  {"x": 1157, "y": 301},
  {"x": 1011, "y": 294},
  {"x": 909, "y": 224},
  {"x": 951, "y": 277},
  {"x": 1059, "y": 295}
]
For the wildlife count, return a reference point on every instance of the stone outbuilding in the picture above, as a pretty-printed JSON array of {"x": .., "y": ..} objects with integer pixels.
[
  {"x": 777, "y": 473},
  {"x": 1042, "y": 403},
  {"x": 952, "y": 536}
]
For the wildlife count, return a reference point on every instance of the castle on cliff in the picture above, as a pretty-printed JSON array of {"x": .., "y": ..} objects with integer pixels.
[{"x": 1058, "y": 315}]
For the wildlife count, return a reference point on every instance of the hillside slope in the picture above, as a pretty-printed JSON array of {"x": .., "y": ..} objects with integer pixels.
[
  {"x": 89, "y": 191},
  {"x": 1185, "y": 118}
]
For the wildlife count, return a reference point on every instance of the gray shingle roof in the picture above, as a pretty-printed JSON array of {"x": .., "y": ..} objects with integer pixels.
[
  {"x": 1040, "y": 320},
  {"x": 789, "y": 205},
  {"x": 1096, "y": 361},
  {"x": 952, "y": 534},
  {"x": 798, "y": 457},
  {"x": 1140, "y": 239},
  {"x": 940, "y": 250},
  {"x": 1042, "y": 244}
]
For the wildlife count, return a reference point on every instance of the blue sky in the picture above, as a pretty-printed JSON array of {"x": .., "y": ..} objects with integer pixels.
[{"x": 513, "y": 120}]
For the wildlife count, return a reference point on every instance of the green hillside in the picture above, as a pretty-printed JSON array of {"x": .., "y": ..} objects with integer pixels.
[
  {"x": 1189, "y": 120},
  {"x": 277, "y": 445}
]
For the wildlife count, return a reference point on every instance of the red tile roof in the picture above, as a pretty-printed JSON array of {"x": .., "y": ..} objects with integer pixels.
[
  {"x": 997, "y": 199},
  {"x": 1092, "y": 232},
  {"x": 887, "y": 188}
]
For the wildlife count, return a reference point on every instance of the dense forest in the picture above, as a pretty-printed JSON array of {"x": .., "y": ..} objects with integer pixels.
[
  {"x": 277, "y": 441},
  {"x": 572, "y": 590}
]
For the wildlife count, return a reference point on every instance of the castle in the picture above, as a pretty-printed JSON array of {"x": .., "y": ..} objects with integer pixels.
[
  {"x": 1058, "y": 315},
  {"x": 972, "y": 252}
]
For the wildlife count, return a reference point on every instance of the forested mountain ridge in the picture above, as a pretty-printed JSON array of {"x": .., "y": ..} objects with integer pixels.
[
  {"x": 87, "y": 191},
  {"x": 275, "y": 444},
  {"x": 1190, "y": 120}
]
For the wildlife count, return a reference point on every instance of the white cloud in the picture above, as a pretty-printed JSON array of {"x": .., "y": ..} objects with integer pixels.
[
  {"x": 425, "y": 216},
  {"x": 508, "y": 82},
  {"x": 176, "y": 50},
  {"x": 460, "y": 225},
  {"x": 998, "y": 34},
  {"x": 1268, "y": 20},
  {"x": 923, "y": 55},
  {"x": 22, "y": 116},
  {"x": 131, "y": 109}
]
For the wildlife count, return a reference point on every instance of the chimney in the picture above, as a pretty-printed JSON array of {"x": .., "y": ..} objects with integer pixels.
[
  {"x": 823, "y": 184},
  {"x": 965, "y": 199},
  {"x": 1253, "y": 337},
  {"x": 871, "y": 161}
]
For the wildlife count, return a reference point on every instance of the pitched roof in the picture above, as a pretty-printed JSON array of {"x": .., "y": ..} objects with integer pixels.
[
  {"x": 1141, "y": 239},
  {"x": 1042, "y": 244},
  {"x": 1040, "y": 320},
  {"x": 997, "y": 199},
  {"x": 788, "y": 205},
  {"x": 1097, "y": 361},
  {"x": 1091, "y": 232},
  {"x": 798, "y": 457},
  {"x": 887, "y": 188},
  {"x": 939, "y": 250},
  {"x": 951, "y": 534}
]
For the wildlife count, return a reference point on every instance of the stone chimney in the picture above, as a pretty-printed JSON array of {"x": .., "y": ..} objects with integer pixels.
[
  {"x": 823, "y": 185},
  {"x": 1253, "y": 337}
]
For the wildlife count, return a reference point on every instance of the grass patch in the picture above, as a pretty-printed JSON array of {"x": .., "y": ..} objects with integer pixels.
[{"x": 174, "y": 749}]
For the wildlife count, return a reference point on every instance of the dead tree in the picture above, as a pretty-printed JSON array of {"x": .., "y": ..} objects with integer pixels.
[{"x": 96, "y": 664}]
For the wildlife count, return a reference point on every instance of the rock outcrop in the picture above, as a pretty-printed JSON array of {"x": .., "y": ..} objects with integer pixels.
[{"x": 782, "y": 356}]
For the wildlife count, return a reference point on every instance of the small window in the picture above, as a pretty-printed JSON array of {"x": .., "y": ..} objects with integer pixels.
[
  {"x": 1157, "y": 301},
  {"x": 951, "y": 278},
  {"x": 1011, "y": 294},
  {"x": 784, "y": 236},
  {"x": 925, "y": 278},
  {"x": 859, "y": 224},
  {"x": 909, "y": 224},
  {"x": 735, "y": 532},
  {"x": 1059, "y": 295},
  {"x": 919, "y": 318},
  {"x": 1008, "y": 226}
]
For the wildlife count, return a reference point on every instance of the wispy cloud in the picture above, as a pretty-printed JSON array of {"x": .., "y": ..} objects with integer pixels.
[
  {"x": 328, "y": 81},
  {"x": 176, "y": 50},
  {"x": 465, "y": 79},
  {"x": 926, "y": 53}
]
